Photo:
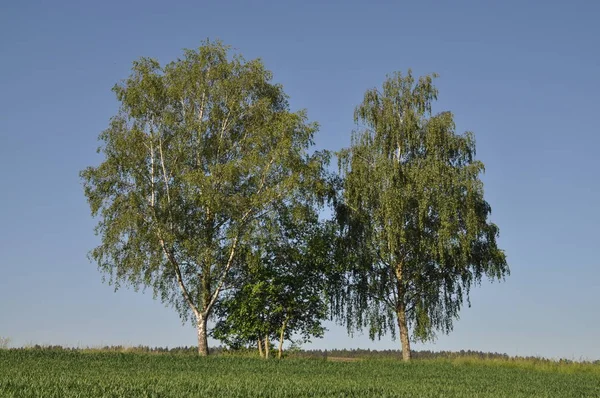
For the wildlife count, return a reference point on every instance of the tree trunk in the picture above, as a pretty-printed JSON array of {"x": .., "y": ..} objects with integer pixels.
[
  {"x": 260, "y": 350},
  {"x": 402, "y": 325},
  {"x": 267, "y": 346},
  {"x": 280, "y": 353},
  {"x": 202, "y": 336},
  {"x": 401, "y": 313}
]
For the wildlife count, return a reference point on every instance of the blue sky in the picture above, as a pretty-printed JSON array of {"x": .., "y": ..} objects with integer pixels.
[{"x": 523, "y": 76}]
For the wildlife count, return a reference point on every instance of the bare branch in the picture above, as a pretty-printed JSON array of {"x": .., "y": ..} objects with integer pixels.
[
  {"x": 178, "y": 276},
  {"x": 223, "y": 276},
  {"x": 164, "y": 170},
  {"x": 152, "y": 195}
]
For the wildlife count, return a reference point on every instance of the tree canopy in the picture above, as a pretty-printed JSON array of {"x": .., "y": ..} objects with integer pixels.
[
  {"x": 281, "y": 289},
  {"x": 199, "y": 151},
  {"x": 413, "y": 214}
]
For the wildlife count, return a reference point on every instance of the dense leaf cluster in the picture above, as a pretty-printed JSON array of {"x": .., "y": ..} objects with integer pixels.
[
  {"x": 201, "y": 151},
  {"x": 414, "y": 214}
]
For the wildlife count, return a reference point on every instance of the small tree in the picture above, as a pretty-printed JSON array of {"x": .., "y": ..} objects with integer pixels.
[
  {"x": 281, "y": 289},
  {"x": 4, "y": 342},
  {"x": 413, "y": 215},
  {"x": 199, "y": 151}
]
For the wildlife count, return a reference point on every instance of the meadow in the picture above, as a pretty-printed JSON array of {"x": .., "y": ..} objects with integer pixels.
[{"x": 52, "y": 373}]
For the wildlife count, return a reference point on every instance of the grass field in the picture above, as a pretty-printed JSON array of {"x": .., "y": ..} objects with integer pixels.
[{"x": 65, "y": 374}]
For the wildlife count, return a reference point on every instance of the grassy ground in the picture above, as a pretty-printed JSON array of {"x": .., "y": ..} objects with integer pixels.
[{"x": 65, "y": 374}]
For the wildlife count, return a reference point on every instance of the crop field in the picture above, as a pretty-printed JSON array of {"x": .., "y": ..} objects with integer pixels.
[{"x": 65, "y": 374}]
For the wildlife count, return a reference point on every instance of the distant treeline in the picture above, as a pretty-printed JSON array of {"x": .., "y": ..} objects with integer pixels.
[{"x": 304, "y": 354}]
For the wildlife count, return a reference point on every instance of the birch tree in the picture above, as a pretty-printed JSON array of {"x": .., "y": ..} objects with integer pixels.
[
  {"x": 413, "y": 214},
  {"x": 199, "y": 150}
]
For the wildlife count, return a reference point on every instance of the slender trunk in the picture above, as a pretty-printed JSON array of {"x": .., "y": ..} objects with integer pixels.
[
  {"x": 260, "y": 350},
  {"x": 202, "y": 336},
  {"x": 402, "y": 325},
  {"x": 401, "y": 313},
  {"x": 267, "y": 346},
  {"x": 280, "y": 353}
]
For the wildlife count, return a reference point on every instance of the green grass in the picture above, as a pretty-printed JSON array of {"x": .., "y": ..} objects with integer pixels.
[{"x": 65, "y": 374}]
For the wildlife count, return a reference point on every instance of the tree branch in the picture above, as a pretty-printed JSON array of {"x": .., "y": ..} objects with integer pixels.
[
  {"x": 164, "y": 170},
  {"x": 178, "y": 276},
  {"x": 222, "y": 277},
  {"x": 170, "y": 257}
]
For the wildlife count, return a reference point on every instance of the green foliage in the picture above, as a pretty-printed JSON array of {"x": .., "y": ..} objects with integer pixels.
[
  {"x": 413, "y": 213},
  {"x": 281, "y": 287},
  {"x": 208, "y": 184},
  {"x": 67, "y": 374},
  {"x": 199, "y": 151}
]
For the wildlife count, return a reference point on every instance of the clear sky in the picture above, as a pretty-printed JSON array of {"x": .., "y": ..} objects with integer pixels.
[{"x": 522, "y": 75}]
